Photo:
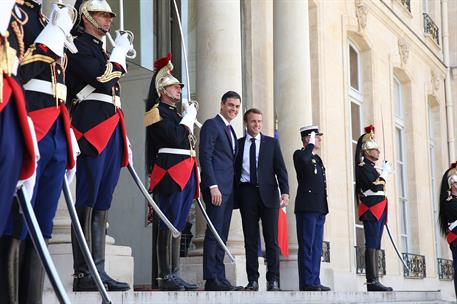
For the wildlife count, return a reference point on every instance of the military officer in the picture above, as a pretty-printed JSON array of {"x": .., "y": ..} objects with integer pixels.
[
  {"x": 369, "y": 189},
  {"x": 174, "y": 173},
  {"x": 310, "y": 208},
  {"x": 98, "y": 122},
  {"x": 448, "y": 213},
  {"x": 41, "y": 70}
]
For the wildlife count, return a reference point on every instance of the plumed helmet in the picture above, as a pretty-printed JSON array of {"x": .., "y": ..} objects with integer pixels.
[
  {"x": 163, "y": 77},
  {"x": 93, "y": 6},
  {"x": 366, "y": 142}
]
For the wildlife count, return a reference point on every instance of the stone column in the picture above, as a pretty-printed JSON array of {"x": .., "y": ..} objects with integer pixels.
[
  {"x": 258, "y": 60},
  {"x": 218, "y": 70},
  {"x": 292, "y": 102}
]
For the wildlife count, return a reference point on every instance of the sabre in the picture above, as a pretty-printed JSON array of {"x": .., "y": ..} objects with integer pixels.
[
  {"x": 132, "y": 52},
  {"x": 387, "y": 226},
  {"x": 151, "y": 202},
  {"x": 82, "y": 242},
  {"x": 213, "y": 230},
  {"x": 184, "y": 52},
  {"x": 40, "y": 246}
]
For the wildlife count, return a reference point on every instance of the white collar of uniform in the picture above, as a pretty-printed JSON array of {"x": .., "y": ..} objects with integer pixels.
[
  {"x": 223, "y": 119},
  {"x": 248, "y": 137}
]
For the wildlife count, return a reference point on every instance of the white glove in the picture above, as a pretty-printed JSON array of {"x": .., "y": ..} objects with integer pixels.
[
  {"x": 130, "y": 152},
  {"x": 6, "y": 6},
  {"x": 56, "y": 34},
  {"x": 70, "y": 173},
  {"x": 386, "y": 170},
  {"x": 312, "y": 138},
  {"x": 121, "y": 48},
  {"x": 189, "y": 118}
]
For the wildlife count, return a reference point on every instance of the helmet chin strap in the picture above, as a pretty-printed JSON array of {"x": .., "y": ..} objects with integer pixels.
[{"x": 169, "y": 95}]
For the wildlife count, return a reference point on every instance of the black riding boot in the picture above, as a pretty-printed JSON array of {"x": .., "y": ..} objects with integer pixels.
[
  {"x": 82, "y": 278},
  {"x": 371, "y": 272},
  {"x": 175, "y": 255},
  {"x": 32, "y": 275},
  {"x": 167, "y": 280},
  {"x": 9, "y": 269},
  {"x": 99, "y": 218}
]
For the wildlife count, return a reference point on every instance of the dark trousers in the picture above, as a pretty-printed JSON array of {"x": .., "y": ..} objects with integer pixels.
[
  {"x": 310, "y": 232},
  {"x": 213, "y": 254},
  {"x": 97, "y": 176},
  {"x": 373, "y": 232},
  {"x": 48, "y": 186},
  {"x": 252, "y": 209},
  {"x": 11, "y": 153}
]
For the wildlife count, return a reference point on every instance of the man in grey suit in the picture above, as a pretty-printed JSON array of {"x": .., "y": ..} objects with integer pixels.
[{"x": 217, "y": 150}]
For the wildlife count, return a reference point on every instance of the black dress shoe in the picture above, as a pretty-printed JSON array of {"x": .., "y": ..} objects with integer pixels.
[
  {"x": 252, "y": 286},
  {"x": 311, "y": 288},
  {"x": 84, "y": 282},
  {"x": 273, "y": 286},
  {"x": 377, "y": 286},
  {"x": 216, "y": 285},
  {"x": 232, "y": 287},
  {"x": 324, "y": 288},
  {"x": 169, "y": 283},
  {"x": 187, "y": 286},
  {"x": 112, "y": 284}
]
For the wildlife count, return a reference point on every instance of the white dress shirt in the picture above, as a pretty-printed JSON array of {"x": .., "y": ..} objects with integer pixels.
[{"x": 245, "y": 172}]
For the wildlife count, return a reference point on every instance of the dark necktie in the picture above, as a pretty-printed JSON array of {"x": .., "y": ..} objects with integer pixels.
[
  {"x": 228, "y": 130},
  {"x": 252, "y": 163}
]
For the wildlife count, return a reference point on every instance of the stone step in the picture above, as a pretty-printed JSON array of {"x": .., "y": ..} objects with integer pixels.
[{"x": 261, "y": 297}]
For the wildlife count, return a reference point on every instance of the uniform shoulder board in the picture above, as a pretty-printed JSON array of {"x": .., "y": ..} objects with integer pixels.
[
  {"x": 152, "y": 116},
  {"x": 449, "y": 198},
  {"x": 361, "y": 164}
]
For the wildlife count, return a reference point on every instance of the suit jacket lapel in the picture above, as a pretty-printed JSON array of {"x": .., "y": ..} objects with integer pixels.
[
  {"x": 223, "y": 126},
  {"x": 261, "y": 151}
]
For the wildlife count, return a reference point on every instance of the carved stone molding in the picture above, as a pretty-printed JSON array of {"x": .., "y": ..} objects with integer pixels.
[
  {"x": 403, "y": 50},
  {"x": 361, "y": 13},
  {"x": 435, "y": 82}
]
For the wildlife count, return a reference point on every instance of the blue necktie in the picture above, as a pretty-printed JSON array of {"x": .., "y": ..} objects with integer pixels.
[{"x": 252, "y": 163}]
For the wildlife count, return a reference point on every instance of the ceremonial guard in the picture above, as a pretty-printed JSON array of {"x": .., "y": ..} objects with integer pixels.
[
  {"x": 174, "y": 177},
  {"x": 310, "y": 209},
  {"x": 448, "y": 213},
  {"x": 369, "y": 190},
  {"x": 98, "y": 122},
  {"x": 42, "y": 67}
]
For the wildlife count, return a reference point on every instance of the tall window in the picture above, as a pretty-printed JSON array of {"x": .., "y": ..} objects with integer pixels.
[
  {"x": 400, "y": 165},
  {"x": 356, "y": 99},
  {"x": 435, "y": 195}
]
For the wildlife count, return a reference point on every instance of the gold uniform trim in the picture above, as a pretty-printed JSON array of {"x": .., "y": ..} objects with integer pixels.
[
  {"x": 29, "y": 57},
  {"x": 109, "y": 75},
  {"x": 379, "y": 181},
  {"x": 152, "y": 116}
]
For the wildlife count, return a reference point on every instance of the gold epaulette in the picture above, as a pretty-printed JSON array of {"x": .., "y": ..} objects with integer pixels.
[
  {"x": 29, "y": 57},
  {"x": 109, "y": 75},
  {"x": 152, "y": 116}
]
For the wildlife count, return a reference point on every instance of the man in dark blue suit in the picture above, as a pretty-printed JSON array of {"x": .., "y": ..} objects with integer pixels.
[
  {"x": 218, "y": 147},
  {"x": 259, "y": 167},
  {"x": 310, "y": 209}
]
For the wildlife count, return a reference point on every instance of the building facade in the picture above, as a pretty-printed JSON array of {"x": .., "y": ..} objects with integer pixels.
[{"x": 341, "y": 64}]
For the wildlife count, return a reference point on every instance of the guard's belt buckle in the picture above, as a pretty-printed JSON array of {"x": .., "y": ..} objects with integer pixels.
[
  {"x": 61, "y": 91},
  {"x": 117, "y": 101}
]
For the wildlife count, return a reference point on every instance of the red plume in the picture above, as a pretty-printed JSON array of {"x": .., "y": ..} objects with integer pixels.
[
  {"x": 161, "y": 62},
  {"x": 453, "y": 165},
  {"x": 369, "y": 129}
]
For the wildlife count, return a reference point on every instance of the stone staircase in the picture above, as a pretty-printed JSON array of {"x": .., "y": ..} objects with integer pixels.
[{"x": 261, "y": 297}]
